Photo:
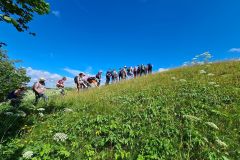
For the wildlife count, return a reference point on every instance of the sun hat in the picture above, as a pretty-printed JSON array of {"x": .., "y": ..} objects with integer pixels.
[{"x": 42, "y": 79}]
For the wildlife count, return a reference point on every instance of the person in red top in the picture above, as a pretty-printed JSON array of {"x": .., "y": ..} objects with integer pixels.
[{"x": 60, "y": 85}]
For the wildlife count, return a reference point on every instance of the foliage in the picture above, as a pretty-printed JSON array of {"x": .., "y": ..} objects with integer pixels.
[
  {"x": 154, "y": 117},
  {"x": 10, "y": 77},
  {"x": 20, "y": 12}
]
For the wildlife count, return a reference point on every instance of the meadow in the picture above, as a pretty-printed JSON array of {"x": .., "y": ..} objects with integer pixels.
[{"x": 187, "y": 113}]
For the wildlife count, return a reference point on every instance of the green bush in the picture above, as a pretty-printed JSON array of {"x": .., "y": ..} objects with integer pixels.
[{"x": 11, "y": 77}]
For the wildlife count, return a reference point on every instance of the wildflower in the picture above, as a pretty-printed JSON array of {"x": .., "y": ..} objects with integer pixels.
[
  {"x": 8, "y": 113},
  {"x": 41, "y": 114},
  {"x": 68, "y": 110},
  {"x": 211, "y": 124},
  {"x": 183, "y": 80},
  {"x": 28, "y": 155},
  {"x": 173, "y": 78},
  {"x": 212, "y": 83},
  {"x": 41, "y": 109},
  {"x": 217, "y": 86},
  {"x": 190, "y": 117},
  {"x": 202, "y": 72},
  {"x": 221, "y": 143},
  {"x": 21, "y": 114},
  {"x": 211, "y": 74},
  {"x": 60, "y": 137}
]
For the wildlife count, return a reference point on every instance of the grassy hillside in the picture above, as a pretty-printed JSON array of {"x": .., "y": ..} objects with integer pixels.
[{"x": 186, "y": 113}]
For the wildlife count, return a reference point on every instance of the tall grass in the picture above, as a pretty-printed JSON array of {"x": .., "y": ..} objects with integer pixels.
[{"x": 178, "y": 114}]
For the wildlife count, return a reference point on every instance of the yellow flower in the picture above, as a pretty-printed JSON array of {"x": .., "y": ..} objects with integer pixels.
[{"x": 98, "y": 133}]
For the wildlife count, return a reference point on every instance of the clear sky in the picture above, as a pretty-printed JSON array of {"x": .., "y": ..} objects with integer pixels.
[{"x": 88, "y": 35}]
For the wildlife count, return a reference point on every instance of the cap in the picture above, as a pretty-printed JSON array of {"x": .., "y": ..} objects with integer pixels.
[{"x": 42, "y": 79}]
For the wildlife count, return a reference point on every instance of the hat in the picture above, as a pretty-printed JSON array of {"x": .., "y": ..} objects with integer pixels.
[
  {"x": 42, "y": 79},
  {"x": 81, "y": 74}
]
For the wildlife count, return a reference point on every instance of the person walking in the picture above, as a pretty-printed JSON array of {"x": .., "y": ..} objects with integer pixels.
[
  {"x": 79, "y": 81},
  {"x": 150, "y": 68},
  {"x": 130, "y": 72},
  {"x": 135, "y": 72},
  {"x": 39, "y": 90},
  {"x": 99, "y": 77},
  {"x": 16, "y": 96},
  {"x": 60, "y": 85},
  {"x": 108, "y": 77},
  {"x": 142, "y": 68},
  {"x": 114, "y": 76}
]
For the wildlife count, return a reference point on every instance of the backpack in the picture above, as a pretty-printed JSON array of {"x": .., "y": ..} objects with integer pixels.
[{"x": 76, "y": 79}]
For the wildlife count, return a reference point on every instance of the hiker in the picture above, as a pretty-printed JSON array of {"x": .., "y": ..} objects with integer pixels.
[
  {"x": 60, "y": 85},
  {"x": 123, "y": 74},
  {"x": 83, "y": 83},
  {"x": 91, "y": 81},
  {"x": 150, "y": 67},
  {"x": 142, "y": 69},
  {"x": 99, "y": 77},
  {"x": 135, "y": 71},
  {"x": 146, "y": 70},
  {"x": 16, "y": 96},
  {"x": 108, "y": 77},
  {"x": 139, "y": 70},
  {"x": 80, "y": 82},
  {"x": 39, "y": 90},
  {"x": 114, "y": 76},
  {"x": 130, "y": 71}
]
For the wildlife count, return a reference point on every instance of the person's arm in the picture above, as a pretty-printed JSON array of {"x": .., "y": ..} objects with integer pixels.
[{"x": 17, "y": 92}]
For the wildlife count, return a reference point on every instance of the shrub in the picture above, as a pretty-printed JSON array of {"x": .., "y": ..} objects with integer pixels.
[{"x": 11, "y": 77}]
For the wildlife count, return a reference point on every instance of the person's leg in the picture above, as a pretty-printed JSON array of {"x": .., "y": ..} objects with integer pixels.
[
  {"x": 37, "y": 97},
  {"x": 45, "y": 97},
  {"x": 99, "y": 82},
  {"x": 78, "y": 87},
  {"x": 62, "y": 91}
]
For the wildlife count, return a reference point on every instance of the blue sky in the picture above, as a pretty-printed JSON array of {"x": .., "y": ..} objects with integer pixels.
[{"x": 89, "y": 35}]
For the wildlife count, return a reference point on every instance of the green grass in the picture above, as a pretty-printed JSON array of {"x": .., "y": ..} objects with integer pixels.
[{"x": 178, "y": 114}]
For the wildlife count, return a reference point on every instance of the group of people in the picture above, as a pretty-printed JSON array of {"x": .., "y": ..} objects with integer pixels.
[
  {"x": 128, "y": 72},
  {"x": 82, "y": 81}
]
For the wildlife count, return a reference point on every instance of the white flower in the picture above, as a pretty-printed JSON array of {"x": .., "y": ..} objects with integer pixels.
[
  {"x": 183, "y": 80},
  {"x": 202, "y": 72},
  {"x": 60, "y": 137},
  {"x": 21, "y": 114},
  {"x": 212, "y": 83},
  {"x": 41, "y": 114},
  {"x": 211, "y": 74},
  {"x": 173, "y": 78},
  {"x": 68, "y": 110},
  {"x": 217, "y": 86},
  {"x": 190, "y": 117},
  {"x": 221, "y": 143},
  {"x": 28, "y": 155},
  {"x": 41, "y": 109},
  {"x": 8, "y": 113},
  {"x": 211, "y": 124}
]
